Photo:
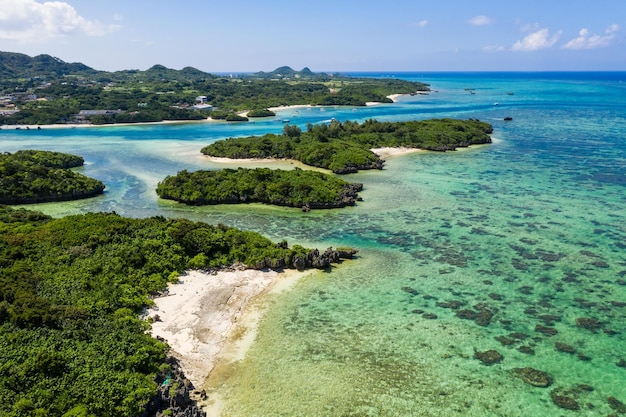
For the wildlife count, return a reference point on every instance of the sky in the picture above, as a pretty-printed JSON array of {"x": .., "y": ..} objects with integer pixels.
[{"x": 323, "y": 35}]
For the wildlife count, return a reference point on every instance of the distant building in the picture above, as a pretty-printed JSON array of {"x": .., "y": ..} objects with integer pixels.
[
  {"x": 202, "y": 107},
  {"x": 201, "y": 99},
  {"x": 98, "y": 112},
  {"x": 84, "y": 114}
]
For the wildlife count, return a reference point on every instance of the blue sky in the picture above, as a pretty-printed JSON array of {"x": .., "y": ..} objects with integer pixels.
[{"x": 324, "y": 35}]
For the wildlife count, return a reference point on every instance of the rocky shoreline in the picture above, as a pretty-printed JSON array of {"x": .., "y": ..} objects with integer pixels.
[
  {"x": 313, "y": 259},
  {"x": 176, "y": 396}
]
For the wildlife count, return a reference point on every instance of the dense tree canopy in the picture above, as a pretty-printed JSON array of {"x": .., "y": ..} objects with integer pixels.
[
  {"x": 294, "y": 188},
  {"x": 71, "y": 291},
  {"x": 39, "y": 176},
  {"x": 47, "y": 91},
  {"x": 345, "y": 147}
]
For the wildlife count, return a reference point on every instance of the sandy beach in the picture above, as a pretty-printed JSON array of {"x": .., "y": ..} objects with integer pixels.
[
  {"x": 89, "y": 125},
  {"x": 389, "y": 152},
  {"x": 203, "y": 313},
  {"x": 261, "y": 163},
  {"x": 393, "y": 97},
  {"x": 295, "y": 106}
]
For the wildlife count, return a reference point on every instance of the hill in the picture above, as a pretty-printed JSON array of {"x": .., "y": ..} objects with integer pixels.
[
  {"x": 286, "y": 72},
  {"x": 20, "y": 66},
  {"x": 46, "y": 90}
]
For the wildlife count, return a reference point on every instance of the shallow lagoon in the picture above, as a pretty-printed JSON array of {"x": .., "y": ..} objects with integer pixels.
[{"x": 529, "y": 231}]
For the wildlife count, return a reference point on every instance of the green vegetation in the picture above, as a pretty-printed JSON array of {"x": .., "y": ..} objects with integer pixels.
[
  {"x": 227, "y": 116},
  {"x": 47, "y": 90},
  {"x": 295, "y": 188},
  {"x": 39, "y": 176},
  {"x": 71, "y": 291},
  {"x": 261, "y": 113},
  {"x": 345, "y": 147}
]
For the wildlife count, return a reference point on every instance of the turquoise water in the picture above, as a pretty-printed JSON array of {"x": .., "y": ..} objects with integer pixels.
[{"x": 528, "y": 231}]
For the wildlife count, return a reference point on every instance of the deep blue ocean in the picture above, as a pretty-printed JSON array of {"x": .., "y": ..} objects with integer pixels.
[{"x": 517, "y": 247}]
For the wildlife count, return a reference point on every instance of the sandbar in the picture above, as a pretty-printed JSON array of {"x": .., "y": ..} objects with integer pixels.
[{"x": 204, "y": 312}]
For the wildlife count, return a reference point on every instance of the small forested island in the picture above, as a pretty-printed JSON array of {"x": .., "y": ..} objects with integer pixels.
[
  {"x": 71, "y": 293},
  {"x": 292, "y": 188},
  {"x": 46, "y": 90},
  {"x": 32, "y": 176},
  {"x": 345, "y": 147}
]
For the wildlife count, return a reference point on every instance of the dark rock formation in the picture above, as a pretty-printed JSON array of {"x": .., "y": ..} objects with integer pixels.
[
  {"x": 466, "y": 314},
  {"x": 534, "y": 377},
  {"x": 489, "y": 357},
  {"x": 549, "y": 319},
  {"x": 173, "y": 398},
  {"x": 617, "y": 405},
  {"x": 526, "y": 349},
  {"x": 506, "y": 341},
  {"x": 591, "y": 324},
  {"x": 315, "y": 259},
  {"x": 410, "y": 290},
  {"x": 548, "y": 331},
  {"x": 565, "y": 348},
  {"x": 482, "y": 316},
  {"x": 454, "y": 304},
  {"x": 564, "y": 401}
]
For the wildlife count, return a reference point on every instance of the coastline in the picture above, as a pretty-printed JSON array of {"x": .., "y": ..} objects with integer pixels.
[
  {"x": 389, "y": 152},
  {"x": 385, "y": 152},
  {"x": 204, "y": 312},
  {"x": 89, "y": 125},
  {"x": 244, "y": 113},
  {"x": 262, "y": 162}
]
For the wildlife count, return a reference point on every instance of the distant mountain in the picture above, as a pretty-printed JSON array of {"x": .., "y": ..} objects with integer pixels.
[
  {"x": 160, "y": 72},
  {"x": 20, "y": 66},
  {"x": 288, "y": 72},
  {"x": 16, "y": 66}
]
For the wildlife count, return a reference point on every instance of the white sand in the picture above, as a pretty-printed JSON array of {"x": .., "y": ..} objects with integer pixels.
[
  {"x": 389, "y": 152},
  {"x": 295, "y": 106},
  {"x": 262, "y": 162},
  {"x": 204, "y": 312},
  {"x": 89, "y": 125},
  {"x": 393, "y": 97}
]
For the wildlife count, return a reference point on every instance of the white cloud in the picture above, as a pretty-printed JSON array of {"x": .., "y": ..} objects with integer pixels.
[
  {"x": 479, "y": 20},
  {"x": 587, "y": 41},
  {"x": 494, "y": 48},
  {"x": 30, "y": 20},
  {"x": 421, "y": 23},
  {"x": 537, "y": 40}
]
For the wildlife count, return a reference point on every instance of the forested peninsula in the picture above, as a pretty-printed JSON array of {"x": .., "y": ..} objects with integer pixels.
[
  {"x": 293, "y": 188},
  {"x": 32, "y": 176},
  {"x": 45, "y": 90},
  {"x": 345, "y": 147},
  {"x": 72, "y": 342}
]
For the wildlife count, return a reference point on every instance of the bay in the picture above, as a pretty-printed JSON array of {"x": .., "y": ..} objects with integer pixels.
[{"x": 518, "y": 246}]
